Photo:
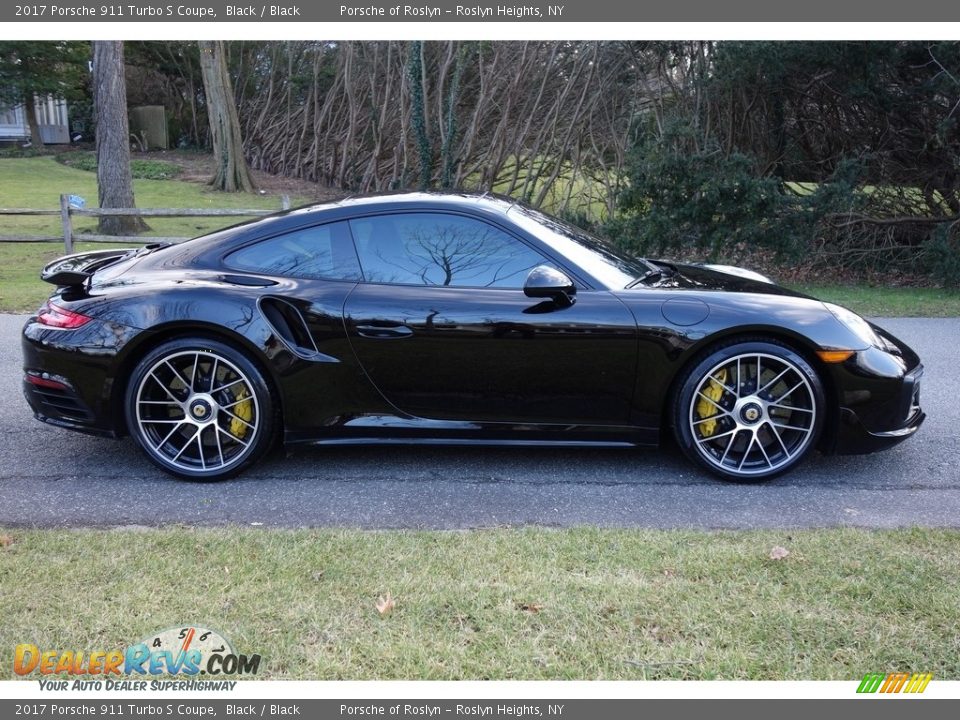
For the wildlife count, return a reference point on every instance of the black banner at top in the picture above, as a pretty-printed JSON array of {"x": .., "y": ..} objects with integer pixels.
[{"x": 432, "y": 11}]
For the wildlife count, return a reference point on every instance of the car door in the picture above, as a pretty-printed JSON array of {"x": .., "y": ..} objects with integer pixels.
[{"x": 442, "y": 327}]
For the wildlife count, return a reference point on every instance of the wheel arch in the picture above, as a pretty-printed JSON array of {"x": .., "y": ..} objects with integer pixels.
[
  {"x": 145, "y": 342},
  {"x": 796, "y": 342}
]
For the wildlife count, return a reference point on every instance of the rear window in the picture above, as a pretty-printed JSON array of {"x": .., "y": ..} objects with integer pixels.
[{"x": 320, "y": 252}]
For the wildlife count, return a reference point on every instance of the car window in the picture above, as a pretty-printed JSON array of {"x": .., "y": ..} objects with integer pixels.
[
  {"x": 614, "y": 268},
  {"x": 323, "y": 251},
  {"x": 441, "y": 249}
]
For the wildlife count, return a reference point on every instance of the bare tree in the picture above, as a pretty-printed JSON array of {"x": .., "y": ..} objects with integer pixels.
[
  {"x": 232, "y": 173},
  {"x": 114, "y": 182}
]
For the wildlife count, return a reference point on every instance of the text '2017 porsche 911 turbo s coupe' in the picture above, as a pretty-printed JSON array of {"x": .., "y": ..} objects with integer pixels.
[{"x": 452, "y": 318}]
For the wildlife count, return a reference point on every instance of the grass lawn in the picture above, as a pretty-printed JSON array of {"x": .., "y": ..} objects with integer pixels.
[
  {"x": 21, "y": 289},
  {"x": 890, "y": 302},
  {"x": 38, "y": 182},
  {"x": 507, "y": 604}
]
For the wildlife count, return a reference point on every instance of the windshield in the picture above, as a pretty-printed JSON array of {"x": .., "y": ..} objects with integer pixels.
[{"x": 610, "y": 266}]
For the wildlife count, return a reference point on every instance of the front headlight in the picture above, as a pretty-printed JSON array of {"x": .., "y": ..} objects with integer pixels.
[{"x": 856, "y": 324}]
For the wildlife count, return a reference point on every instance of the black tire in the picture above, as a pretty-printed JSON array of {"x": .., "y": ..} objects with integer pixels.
[
  {"x": 199, "y": 409},
  {"x": 743, "y": 430}
]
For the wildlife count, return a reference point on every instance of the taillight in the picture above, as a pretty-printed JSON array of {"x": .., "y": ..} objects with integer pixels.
[
  {"x": 45, "y": 382},
  {"x": 59, "y": 317}
]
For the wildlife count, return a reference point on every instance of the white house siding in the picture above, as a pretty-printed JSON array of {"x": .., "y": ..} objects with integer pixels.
[{"x": 51, "y": 117}]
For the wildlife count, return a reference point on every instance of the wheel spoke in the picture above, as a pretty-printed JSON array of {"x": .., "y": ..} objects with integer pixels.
[
  {"x": 229, "y": 384},
  {"x": 763, "y": 451},
  {"x": 213, "y": 374},
  {"x": 776, "y": 434},
  {"x": 169, "y": 435},
  {"x": 188, "y": 386},
  {"x": 235, "y": 402},
  {"x": 173, "y": 397},
  {"x": 732, "y": 440},
  {"x": 187, "y": 444},
  {"x": 232, "y": 436},
  {"x": 789, "y": 392},
  {"x": 216, "y": 435},
  {"x": 203, "y": 460},
  {"x": 774, "y": 381},
  {"x": 712, "y": 418},
  {"x": 723, "y": 410},
  {"x": 724, "y": 385},
  {"x": 792, "y": 427},
  {"x": 237, "y": 417},
  {"x": 746, "y": 452},
  {"x": 718, "y": 436},
  {"x": 791, "y": 407},
  {"x": 193, "y": 375}
]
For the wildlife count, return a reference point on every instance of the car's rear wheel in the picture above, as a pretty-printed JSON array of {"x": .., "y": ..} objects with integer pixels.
[
  {"x": 749, "y": 411},
  {"x": 199, "y": 409}
]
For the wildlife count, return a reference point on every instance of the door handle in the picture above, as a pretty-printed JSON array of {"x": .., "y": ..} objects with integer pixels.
[{"x": 385, "y": 331}]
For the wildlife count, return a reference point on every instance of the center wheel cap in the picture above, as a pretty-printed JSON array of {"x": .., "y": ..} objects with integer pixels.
[
  {"x": 200, "y": 410},
  {"x": 751, "y": 413}
]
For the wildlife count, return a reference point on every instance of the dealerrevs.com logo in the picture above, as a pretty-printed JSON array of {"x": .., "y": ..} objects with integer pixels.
[{"x": 185, "y": 651}]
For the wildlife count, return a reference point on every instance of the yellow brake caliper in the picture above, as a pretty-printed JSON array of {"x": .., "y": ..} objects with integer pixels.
[
  {"x": 243, "y": 411},
  {"x": 706, "y": 409}
]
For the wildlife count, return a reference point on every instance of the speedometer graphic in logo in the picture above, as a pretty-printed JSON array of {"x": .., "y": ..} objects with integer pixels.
[{"x": 184, "y": 639}]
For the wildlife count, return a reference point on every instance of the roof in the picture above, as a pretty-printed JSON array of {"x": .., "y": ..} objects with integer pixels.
[{"x": 485, "y": 200}]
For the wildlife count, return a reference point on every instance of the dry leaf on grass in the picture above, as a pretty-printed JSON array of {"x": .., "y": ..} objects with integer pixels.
[
  {"x": 6, "y": 541},
  {"x": 778, "y": 553},
  {"x": 385, "y": 604},
  {"x": 530, "y": 607}
]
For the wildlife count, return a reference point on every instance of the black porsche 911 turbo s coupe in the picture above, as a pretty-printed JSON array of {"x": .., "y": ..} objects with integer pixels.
[{"x": 452, "y": 318}]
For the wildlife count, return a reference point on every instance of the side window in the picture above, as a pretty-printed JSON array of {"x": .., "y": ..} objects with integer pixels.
[
  {"x": 324, "y": 251},
  {"x": 440, "y": 249}
]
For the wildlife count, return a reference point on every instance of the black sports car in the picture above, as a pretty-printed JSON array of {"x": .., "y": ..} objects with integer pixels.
[{"x": 452, "y": 318}]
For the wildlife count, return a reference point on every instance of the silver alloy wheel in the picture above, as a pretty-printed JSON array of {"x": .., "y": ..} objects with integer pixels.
[
  {"x": 752, "y": 414},
  {"x": 197, "y": 411}
]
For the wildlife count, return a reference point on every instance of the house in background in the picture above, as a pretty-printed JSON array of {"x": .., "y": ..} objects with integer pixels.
[{"x": 51, "y": 118}]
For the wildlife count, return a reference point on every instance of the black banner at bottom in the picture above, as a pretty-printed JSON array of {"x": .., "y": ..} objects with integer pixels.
[{"x": 873, "y": 707}]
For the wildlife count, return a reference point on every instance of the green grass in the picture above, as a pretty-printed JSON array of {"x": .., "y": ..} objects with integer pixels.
[
  {"x": 21, "y": 289},
  {"x": 139, "y": 169},
  {"x": 501, "y": 604},
  {"x": 38, "y": 182},
  {"x": 889, "y": 301}
]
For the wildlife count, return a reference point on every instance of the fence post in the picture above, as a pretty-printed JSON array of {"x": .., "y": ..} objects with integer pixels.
[
  {"x": 67, "y": 224},
  {"x": 285, "y": 202}
]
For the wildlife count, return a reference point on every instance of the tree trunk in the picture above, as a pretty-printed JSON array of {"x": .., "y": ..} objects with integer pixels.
[
  {"x": 30, "y": 109},
  {"x": 114, "y": 183},
  {"x": 232, "y": 173}
]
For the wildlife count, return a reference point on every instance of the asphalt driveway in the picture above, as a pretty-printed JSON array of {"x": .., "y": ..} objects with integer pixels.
[{"x": 53, "y": 478}]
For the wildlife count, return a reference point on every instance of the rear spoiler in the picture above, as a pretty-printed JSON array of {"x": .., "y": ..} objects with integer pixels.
[{"x": 75, "y": 271}]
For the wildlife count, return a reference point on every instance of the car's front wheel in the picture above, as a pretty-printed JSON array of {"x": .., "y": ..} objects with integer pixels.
[
  {"x": 749, "y": 410},
  {"x": 199, "y": 409}
]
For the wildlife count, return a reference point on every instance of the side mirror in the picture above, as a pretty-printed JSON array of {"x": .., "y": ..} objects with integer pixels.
[{"x": 547, "y": 282}]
